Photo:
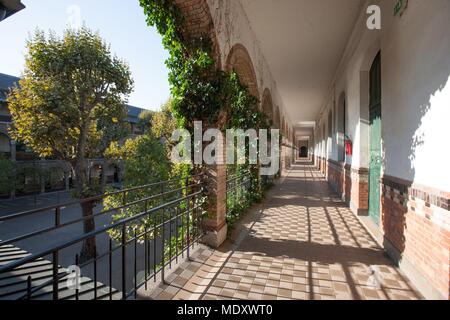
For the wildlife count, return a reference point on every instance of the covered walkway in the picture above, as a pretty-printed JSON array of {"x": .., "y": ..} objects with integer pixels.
[{"x": 302, "y": 243}]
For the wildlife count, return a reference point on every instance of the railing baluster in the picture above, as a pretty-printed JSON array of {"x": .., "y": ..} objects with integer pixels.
[
  {"x": 146, "y": 257},
  {"x": 110, "y": 270},
  {"x": 176, "y": 233},
  {"x": 124, "y": 262},
  {"x": 163, "y": 243},
  {"x": 154, "y": 246},
  {"x": 170, "y": 238},
  {"x": 77, "y": 290},
  {"x": 135, "y": 263},
  {"x": 55, "y": 274},
  {"x": 182, "y": 233},
  {"x": 29, "y": 288},
  {"x": 95, "y": 278},
  {"x": 188, "y": 227},
  {"x": 57, "y": 216}
]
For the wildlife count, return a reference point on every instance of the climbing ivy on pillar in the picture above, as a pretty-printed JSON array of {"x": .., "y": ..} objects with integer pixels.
[{"x": 201, "y": 91}]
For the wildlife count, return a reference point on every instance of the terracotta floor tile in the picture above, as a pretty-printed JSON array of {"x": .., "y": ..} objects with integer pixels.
[{"x": 305, "y": 244}]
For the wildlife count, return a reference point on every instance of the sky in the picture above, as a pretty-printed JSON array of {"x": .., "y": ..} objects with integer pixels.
[{"x": 121, "y": 23}]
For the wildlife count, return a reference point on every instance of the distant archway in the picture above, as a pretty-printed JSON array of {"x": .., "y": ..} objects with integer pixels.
[{"x": 303, "y": 152}]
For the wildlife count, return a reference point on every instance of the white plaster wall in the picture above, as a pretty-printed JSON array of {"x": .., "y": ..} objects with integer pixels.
[
  {"x": 232, "y": 27},
  {"x": 415, "y": 51},
  {"x": 416, "y": 92},
  {"x": 352, "y": 78}
]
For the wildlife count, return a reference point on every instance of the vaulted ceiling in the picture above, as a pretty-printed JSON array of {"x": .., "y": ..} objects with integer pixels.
[{"x": 303, "y": 42}]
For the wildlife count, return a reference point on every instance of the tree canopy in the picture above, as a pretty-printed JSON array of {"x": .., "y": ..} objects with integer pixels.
[
  {"x": 70, "y": 104},
  {"x": 72, "y": 92}
]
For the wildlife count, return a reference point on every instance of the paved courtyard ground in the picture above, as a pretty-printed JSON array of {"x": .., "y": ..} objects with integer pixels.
[{"x": 302, "y": 243}]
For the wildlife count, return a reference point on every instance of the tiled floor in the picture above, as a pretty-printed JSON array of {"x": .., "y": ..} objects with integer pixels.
[{"x": 304, "y": 244}]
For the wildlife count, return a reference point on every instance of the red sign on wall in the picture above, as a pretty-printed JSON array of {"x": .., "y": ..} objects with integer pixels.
[{"x": 348, "y": 147}]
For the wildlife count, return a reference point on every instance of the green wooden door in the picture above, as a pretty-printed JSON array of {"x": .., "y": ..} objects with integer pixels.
[{"x": 375, "y": 140}]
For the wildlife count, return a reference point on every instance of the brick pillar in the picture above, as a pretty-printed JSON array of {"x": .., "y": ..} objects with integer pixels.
[{"x": 215, "y": 223}]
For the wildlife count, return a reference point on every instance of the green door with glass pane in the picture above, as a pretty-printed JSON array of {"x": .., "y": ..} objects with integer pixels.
[{"x": 375, "y": 140}]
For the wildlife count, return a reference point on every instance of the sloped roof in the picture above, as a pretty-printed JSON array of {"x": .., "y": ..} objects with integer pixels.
[
  {"x": 11, "y": 7},
  {"x": 7, "y": 82}
]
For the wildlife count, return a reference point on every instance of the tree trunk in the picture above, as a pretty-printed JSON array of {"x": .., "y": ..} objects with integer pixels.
[{"x": 88, "y": 250}]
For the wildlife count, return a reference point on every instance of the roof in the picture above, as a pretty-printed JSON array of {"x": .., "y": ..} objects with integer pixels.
[
  {"x": 10, "y": 7},
  {"x": 133, "y": 114},
  {"x": 7, "y": 82}
]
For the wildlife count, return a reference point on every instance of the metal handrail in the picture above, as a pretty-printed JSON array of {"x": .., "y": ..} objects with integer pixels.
[
  {"x": 90, "y": 199},
  {"x": 65, "y": 244},
  {"x": 170, "y": 220},
  {"x": 85, "y": 218}
]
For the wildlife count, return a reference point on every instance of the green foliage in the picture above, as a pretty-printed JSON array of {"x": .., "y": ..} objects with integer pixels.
[
  {"x": 145, "y": 160},
  {"x": 202, "y": 92},
  {"x": 70, "y": 85},
  {"x": 163, "y": 123},
  {"x": 6, "y": 175}
]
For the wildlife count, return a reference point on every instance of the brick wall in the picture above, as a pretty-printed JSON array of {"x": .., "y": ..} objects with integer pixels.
[
  {"x": 416, "y": 222},
  {"x": 336, "y": 176},
  {"x": 352, "y": 184}
]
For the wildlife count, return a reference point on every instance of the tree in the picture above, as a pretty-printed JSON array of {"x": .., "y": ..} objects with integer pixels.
[
  {"x": 6, "y": 175},
  {"x": 163, "y": 123},
  {"x": 72, "y": 86},
  {"x": 145, "y": 160}
]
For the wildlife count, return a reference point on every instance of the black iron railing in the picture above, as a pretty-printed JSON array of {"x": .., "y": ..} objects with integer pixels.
[
  {"x": 154, "y": 191},
  {"x": 131, "y": 251}
]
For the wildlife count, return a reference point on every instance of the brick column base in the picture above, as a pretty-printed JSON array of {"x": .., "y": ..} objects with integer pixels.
[{"x": 215, "y": 224}]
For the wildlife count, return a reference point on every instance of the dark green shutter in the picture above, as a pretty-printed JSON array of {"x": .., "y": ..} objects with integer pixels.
[{"x": 375, "y": 140}]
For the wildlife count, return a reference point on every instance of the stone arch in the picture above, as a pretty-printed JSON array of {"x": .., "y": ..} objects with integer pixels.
[
  {"x": 198, "y": 22},
  {"x": 240, "y": 62},
  {"x": 267, "y": 104},
  {"x": 276, "y": 118}
]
